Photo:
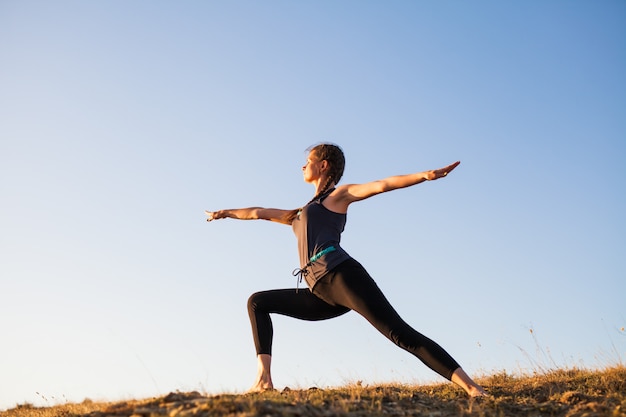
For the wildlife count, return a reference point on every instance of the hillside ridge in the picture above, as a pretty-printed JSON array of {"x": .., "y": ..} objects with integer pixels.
[{"x": 561, "y": 392}]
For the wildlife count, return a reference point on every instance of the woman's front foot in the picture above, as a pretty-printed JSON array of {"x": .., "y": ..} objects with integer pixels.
[
  {"x": 264, "y": 376},
  {"x": 261, "y": 386}
]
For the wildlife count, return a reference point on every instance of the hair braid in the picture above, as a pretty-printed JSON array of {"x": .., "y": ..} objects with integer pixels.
[{"x": 325, "y": 188}]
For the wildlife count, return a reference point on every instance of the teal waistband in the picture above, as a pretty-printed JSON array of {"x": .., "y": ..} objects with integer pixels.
[{"x": 322, "y": 253}]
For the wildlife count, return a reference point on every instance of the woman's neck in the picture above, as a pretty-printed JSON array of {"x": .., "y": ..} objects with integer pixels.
[{"x": 323, "y": 186}]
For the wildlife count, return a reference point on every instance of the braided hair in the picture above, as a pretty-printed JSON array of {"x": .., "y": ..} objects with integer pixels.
[{"x": 336, "y": 162}]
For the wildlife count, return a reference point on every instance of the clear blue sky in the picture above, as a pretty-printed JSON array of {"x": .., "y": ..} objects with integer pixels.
[{"x": 121, "y": 122}]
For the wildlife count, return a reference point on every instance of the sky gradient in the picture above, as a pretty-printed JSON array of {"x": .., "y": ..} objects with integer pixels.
[{"x": 120, "y": 123}]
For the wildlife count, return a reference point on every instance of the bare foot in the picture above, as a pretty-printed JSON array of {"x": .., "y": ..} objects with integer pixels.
[
  {"x": 263, "y": 380},
  {"x": 261, "y": 386},
  {"x": 477, "y": 391},
  {"x": 463, "y": 380}
]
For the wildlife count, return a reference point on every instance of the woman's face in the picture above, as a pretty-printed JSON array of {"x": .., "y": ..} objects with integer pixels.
[{"x": 313, "y": 168}]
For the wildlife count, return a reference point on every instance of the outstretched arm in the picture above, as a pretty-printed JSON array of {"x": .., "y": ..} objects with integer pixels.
[
  {"x": 350, "y": 193},
  {"x": 250, "y": 213}
]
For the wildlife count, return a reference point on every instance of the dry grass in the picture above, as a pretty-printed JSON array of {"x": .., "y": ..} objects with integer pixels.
[{"x": 567, "y": 393}]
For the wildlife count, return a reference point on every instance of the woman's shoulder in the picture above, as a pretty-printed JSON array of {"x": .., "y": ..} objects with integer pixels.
[{"x": 337, "y": 201}]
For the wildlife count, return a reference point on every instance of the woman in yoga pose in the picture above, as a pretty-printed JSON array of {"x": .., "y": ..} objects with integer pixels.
[{"x": 336, "y": 282}]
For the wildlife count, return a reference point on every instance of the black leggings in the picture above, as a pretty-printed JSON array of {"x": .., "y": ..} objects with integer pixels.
[{"x": 347, "y": 287}]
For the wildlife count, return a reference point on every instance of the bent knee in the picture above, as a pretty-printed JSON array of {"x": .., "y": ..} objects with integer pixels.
[
  {"x": 257, "y": 300},
  {"x": 253, "y": 301}
]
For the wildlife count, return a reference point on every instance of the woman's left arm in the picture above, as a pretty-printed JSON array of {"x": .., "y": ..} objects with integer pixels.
[{"x": 350, "y": 193}]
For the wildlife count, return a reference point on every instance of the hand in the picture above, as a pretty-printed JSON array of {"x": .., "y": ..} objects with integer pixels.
[
  {"x": 212, "y": 215},
  {"x": 441, "y": 172}
]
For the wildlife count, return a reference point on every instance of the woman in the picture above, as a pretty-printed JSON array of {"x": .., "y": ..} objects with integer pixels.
[{"x": 336, "y": 282}]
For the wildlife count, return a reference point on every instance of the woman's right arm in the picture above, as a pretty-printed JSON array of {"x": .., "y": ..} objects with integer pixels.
[{"x": 251, "y": 213}]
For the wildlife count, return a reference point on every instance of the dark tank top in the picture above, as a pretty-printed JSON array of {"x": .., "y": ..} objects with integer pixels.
[{"x": 318, "y": 231}]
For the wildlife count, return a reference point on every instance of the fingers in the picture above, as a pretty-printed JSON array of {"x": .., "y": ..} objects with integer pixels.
[
  {"x": 210, "y": 215},
  {"x": 445, "y": 171},
  {"x": 452, "y": 166}
]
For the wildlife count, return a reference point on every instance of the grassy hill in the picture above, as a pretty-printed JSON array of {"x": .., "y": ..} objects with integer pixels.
[{"x": 567, "y": 393}]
